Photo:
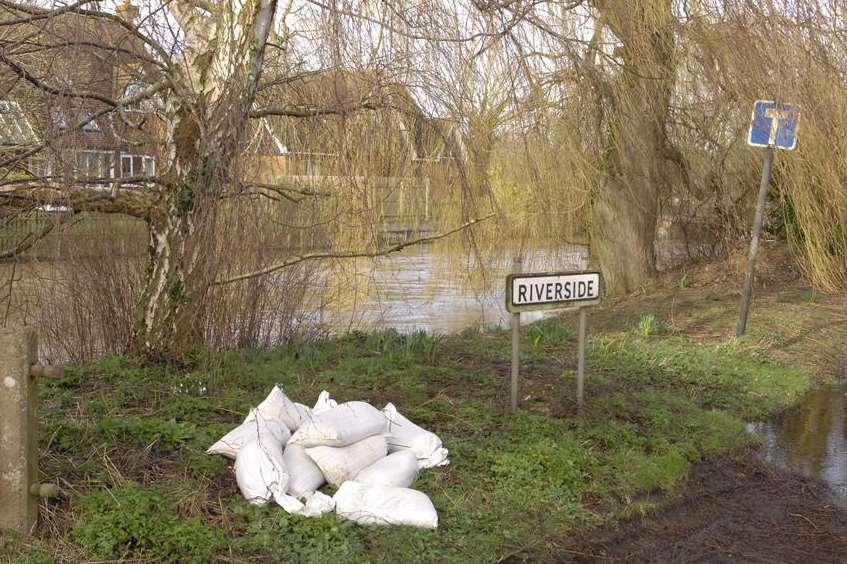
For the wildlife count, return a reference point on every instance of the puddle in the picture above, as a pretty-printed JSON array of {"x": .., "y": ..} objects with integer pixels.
[{"x": 811, "y": 438}]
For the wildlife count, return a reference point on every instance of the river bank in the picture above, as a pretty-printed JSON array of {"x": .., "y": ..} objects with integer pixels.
[{"x": 668, "y": 389}]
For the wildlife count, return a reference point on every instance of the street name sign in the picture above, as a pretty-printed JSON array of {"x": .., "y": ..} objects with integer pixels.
[
  {"x": 774, "y": 125},
  {"x": 552, "y": 290}
]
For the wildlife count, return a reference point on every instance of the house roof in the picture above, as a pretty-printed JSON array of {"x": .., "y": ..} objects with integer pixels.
[
  {"x": 70, "y": 52},
  {"x": 15, "y": 129},
  {"x": 395, "y": 118}
]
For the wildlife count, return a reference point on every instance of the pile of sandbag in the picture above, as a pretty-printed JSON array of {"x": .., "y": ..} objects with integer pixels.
[{"x": 285, "y": 451}]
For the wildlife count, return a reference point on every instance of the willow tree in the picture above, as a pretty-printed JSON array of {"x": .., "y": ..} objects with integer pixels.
[
  {"x": 638, "y": 97},
  {"x": 593, "y": 82}
]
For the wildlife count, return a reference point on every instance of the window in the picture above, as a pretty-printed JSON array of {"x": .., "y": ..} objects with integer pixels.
[
  {"x": 134, "y": 89},
  {"x": 91, "y": 165},
  {"x": 137, "y": 165}
]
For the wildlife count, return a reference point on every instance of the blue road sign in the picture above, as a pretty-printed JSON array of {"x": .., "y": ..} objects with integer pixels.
[{"x": 774, "y": 125}]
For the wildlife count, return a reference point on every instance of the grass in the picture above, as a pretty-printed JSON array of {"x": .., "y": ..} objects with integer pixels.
[{"x": 125, "y": 441}]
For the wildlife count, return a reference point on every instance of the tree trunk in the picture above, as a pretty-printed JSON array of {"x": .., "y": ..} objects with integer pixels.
[
  {"x": 180, "y": 273},
  {"x": 625, "y": 211},
  {"x": 205, "y": 120}
]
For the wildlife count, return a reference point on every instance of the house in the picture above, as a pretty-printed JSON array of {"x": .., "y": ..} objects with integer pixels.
[
  {"x": 354, "y": 127},
  {"x": 363, "y": 126},
  {"x": 81, "y": 58}
]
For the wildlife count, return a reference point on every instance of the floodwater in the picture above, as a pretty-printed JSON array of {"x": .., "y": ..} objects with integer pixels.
[
  {"x": 811, "y": 438},
  {"x": 424, "y": 289}
]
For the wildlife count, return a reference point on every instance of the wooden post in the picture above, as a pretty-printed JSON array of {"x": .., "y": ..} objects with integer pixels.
[
  {"x": 747, "y": 293},
  {"x": 517, "y": 268},
  {"x": 18, "y": 430},
  {"x": 580, "y": 367}
]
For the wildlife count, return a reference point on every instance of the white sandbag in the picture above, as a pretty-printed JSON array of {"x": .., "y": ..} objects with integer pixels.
[
  {"x": 230, "y": 443},
  {"x": 261, "y": 474},
  {"x": 373, "y": 504},
  {"x": 339, "y": 464},
  {"x": 305, "y": 476},
  {"x": 279, "y": 407},
  {"x": 403, "y": 434},
  {"x": 340, "y": 426},
  {"x": 324, "y": 403},
  {"x": 437, "y": 458},
  {"x": 317, "y": 504},
  {"x": 398, "y": 469}
]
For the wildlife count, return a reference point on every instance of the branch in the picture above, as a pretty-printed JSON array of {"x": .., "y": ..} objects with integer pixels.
[
  {"x": 136, "y": 203},
  {"x": 41, "y": 85},
  {"x": 280, "y": 188},
  {"x": 76, "y": 9},
  {"x": 36, "y": 13},
  {"x": 350, "y": 254},
  {"x": 305, "y": 111}
]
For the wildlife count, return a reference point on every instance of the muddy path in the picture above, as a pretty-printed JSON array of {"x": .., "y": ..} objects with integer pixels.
[{"x": 731, "y": 511}]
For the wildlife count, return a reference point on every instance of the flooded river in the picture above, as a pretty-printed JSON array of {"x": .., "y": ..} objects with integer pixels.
[
  {"x": 811, "y": 438},
  {"x": 423, "y": 289}
]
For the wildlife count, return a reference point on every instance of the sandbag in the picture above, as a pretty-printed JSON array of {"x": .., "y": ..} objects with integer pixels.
[
  {"x": 261, "y": 474},
  {"x": 279, "y": 407},
  {"x": 324, "y": 403},
  {"x": 373, "y": 504},
  {"x": 403, "y": 434},
  {"x": 339, "y": 464},
  {"x": 343, "y": 425},
  {"x": 305, "y": 476},
  {"x": 230, "y": 443},
  {"x": 316, "y": 504},
  {"x": 398, "y": 469}
]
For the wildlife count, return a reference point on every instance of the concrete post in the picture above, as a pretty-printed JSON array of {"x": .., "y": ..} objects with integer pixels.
[{"x": 18, "y": 432}]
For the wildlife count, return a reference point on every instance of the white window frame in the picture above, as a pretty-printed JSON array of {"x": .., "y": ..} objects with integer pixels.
[
  {"x": 147, "y": 164},
  {"x": 105, "y": 165}
]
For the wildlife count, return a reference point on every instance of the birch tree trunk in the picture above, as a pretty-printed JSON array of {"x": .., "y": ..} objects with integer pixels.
[
  {"x": 625, "y": 212},
  {"x": 206, "y": 115}
]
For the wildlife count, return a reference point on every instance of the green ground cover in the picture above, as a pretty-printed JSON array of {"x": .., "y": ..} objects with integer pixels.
[{"x": 125, "y": 441}]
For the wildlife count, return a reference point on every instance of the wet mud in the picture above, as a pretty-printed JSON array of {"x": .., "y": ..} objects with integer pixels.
[{"x": 731, "y": 511}]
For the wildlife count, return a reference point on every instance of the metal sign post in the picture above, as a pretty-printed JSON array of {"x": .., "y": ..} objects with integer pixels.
[
  {"x": 747, "y": 293},
  {"x": 773, "y": 126},
  {"x": 580, "y": 367},
  {"x": 547, "y": 291},
  {"x": 517, "y": 267}
]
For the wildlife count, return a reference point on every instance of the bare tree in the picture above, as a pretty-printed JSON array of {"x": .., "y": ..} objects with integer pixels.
[{"x": 218, "y": 71}]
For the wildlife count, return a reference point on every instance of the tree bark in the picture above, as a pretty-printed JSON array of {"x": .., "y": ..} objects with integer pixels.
[
  {"x": 205, "y": 117},
  {"x": 625, "y": 211}
]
